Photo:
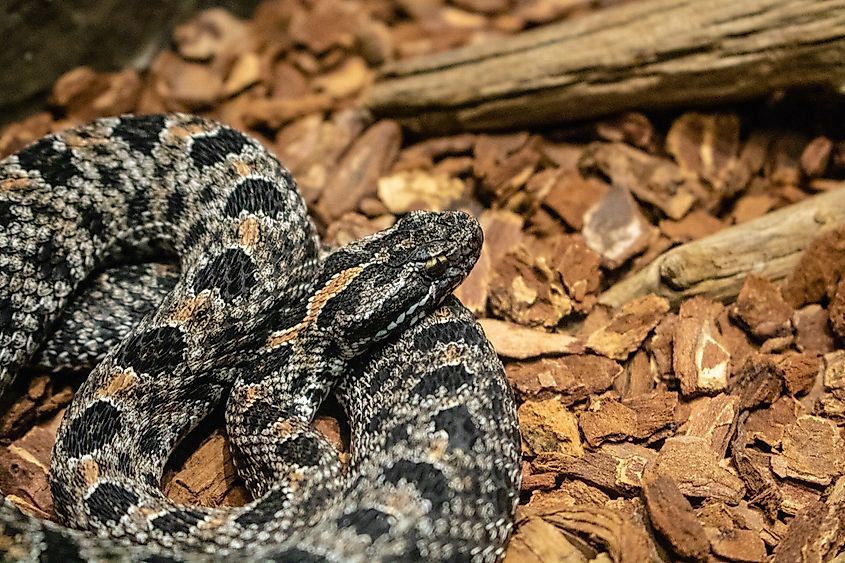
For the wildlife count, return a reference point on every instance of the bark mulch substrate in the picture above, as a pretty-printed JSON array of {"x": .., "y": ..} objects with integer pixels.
[{"x": 706, "y": 431}]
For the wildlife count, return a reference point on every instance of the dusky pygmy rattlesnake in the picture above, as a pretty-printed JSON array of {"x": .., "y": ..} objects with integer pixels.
[{"x": 255, "y": 313}]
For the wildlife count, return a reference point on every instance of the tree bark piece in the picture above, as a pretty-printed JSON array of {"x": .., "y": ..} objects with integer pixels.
[
  {"x": 716, "y": 266},
  {"x": 653, "y": 53}
]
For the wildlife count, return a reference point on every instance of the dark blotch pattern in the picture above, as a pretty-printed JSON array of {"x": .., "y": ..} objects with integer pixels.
[
  {"x": 51, "y": 261},
  {"x": 368, "y": 521},
  {"x": 55, "y": 166},
  {"x": 232, "y": 272},
  {"x": 153, "y": 351},
  {"x": 161, "y": 559},
  {"x": 300, "y": 450},
  {"x": 195, "y": 233},
  {"x": 60, "y": 548},
  {"x": 176, "y": 522},
  {"x": 448, "y": 378},
  {"x": 92, "y": 221},
  {"x": 212, "y": 149},
  {"x": 264, "y": 510},
  {"x": 110, "y": 502},
  {"x": 397, "y": 435},
  {"x": 5, "y": 312},
  {"x": 254, "y": 195},
  {"x": 175, "y": 206},
  {"x": 140, "y": 133},
  {"x": 295, "y": 555},
  {"x": 457, "y": 422},
  {"x": 96, "y": 427}
]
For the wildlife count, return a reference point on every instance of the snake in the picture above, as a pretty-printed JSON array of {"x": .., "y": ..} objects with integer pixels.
[{"x": 255, "y": 316}]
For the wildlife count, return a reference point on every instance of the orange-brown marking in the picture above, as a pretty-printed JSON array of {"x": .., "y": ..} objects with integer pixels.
[
  {"x": 241, "y": 168},
  {"x": 10, "y": 184},
  {"x": 90, "y": 471},
  {"x": 189, "y": 307},
  {"x": 437, "y": 448},
  {"x": 249, "y": 231},
  {"x": 143, "y": 512},
  {"x": 316, "y": 304},
  {"x": 120, "y": 382},
  {"x": 211, "y": 524},
  {"x": 185, "y": 130},
  {"x": 10, "y": 545},
  {"x": 452, "y": 354},
  {"x": 250, "y": 395},
  {"x": 283, "y": 428},
  {"x": 295, "y": 478},
  {"x": 76, "y": 141}
]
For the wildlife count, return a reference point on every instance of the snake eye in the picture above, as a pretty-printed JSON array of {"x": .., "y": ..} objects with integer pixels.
[{"x": 436, "y": 265}]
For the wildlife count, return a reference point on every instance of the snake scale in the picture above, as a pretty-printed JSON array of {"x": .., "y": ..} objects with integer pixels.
[{"x": 255, "y": 314}]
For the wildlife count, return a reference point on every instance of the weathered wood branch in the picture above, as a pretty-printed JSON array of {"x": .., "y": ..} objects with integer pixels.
[
  {"x": 716, "y": 266},
  {"x": 646, "y": 54}
]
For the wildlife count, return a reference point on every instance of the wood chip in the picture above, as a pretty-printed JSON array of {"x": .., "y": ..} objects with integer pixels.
[
  {"x": 816, "y": 156},
  {"x": 527, "y": 290},
  {"x": 538, "y": 541},
  {"x": 739, "y": 545},
  {"x": 673, "y": 517},
  {"x": 24, "y": 467},
  {"x": 357, "y": 173},
  {"x": 651, "y": 179},
  {"x": 608, "y": 419},
  {"x": 417, "y": 189},
  {"x": 707, "y": 145},
  {"x": 244, "y": 73},
  {"x": 276, "y": 112},
  {"x": 515, "y": 341},
  {"x": 761, "y": 307},
  {"x": 701, "y": 361},
  {"x": 695, "y": 225},
  {"x": 504, "y": 163},
  {"x": 800, "y": 372},
  {"x": 817, "y": 271},
  {"x": 570, "y": 378},
  {"x": 812, "y": 330},
  {"x": 208, "y": 477},
  {"x": 628, "y": 327},
  {"x": 213, "y": 34},
  {"x": 183, "y": 85},
  {"x": 818, "y": 533},
  {"x": 502, "y": 233},
  {"x": 571, "y": 196},
  {"x": 329, "y": 24},
  {"x": 624, "y": 539},
  {"x": 695, "y": 467},
  {"x": 714, "y": 418},
  {"x": 348, "y": 79},
  {"x": 617, "y": 468},
  {"x": 17, "y": 135},
  {"x": 547, "y": 426},
  {"x": 811, "y": 451},
  {"x": 86, "y": 94},
  {"x": 615, "y": 227}
]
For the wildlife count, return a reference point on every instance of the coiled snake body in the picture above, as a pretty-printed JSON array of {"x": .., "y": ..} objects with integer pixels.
[{"x": 253, "y": 312}]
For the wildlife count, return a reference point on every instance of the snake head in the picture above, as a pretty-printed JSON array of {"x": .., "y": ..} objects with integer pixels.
[{"x": 377, "y": 286}]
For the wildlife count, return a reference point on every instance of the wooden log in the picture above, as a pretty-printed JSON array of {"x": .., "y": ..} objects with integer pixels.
[
  {"x": 716, "y": 266},
  {"x": 645, "y": 54}
]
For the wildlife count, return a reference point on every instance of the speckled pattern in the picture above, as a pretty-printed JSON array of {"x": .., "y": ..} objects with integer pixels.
[{"x": 255, "y": 317}]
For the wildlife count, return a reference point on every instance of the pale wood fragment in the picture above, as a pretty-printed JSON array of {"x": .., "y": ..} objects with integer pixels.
[{"x": 716, "y": 266}]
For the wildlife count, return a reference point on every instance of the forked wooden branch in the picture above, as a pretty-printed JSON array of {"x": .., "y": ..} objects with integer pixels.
[{"x": 644, "y": 54}]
